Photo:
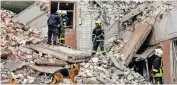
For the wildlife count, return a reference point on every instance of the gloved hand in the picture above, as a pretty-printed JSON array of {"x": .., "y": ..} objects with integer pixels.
[
  {"x": 58, "y": 25},
  {"x": 151, "y": 74}
]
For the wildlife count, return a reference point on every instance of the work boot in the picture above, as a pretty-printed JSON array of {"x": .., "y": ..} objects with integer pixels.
[
  {"x": 49, "y": 43},
  {"x": 93, "y": 54},
  {"x": 54, "y": 43},
  {"x": 104, "y": 53}
]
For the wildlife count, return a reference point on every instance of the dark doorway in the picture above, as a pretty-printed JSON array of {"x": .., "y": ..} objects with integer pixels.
[
  {"x": 54, "y": 6},
  {"x": 68, "y": 7}
]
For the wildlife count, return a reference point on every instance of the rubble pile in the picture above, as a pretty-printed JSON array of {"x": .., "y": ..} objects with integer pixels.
[
  {"x": 6, "y": 15},
  {"x": 33, "y": 65},
  {"x": 14, "y": 39},
  {"x": 111, "y": 11},
  {"x": 15, "y": 36},
  {"x": 19, "y": 60},
  {"x": 147, "y": 10},
  {"x": 102, "y": 69},
  {"x": 114, "y": 10}
]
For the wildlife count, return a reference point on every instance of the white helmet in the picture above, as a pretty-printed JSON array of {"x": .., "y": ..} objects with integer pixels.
[
  {"x": 158, "y": 52},
  {"x": 64, "y": 12}
]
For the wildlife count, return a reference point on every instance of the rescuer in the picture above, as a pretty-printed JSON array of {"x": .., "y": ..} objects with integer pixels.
[
  {"x": 62, "y": 30},
  {"x": 98, "y": 38},
  {"x": 54, "y": 22},
  {"x": 157, "y": 71}
]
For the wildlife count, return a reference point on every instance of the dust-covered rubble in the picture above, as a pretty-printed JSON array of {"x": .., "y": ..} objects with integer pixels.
[
  {"x": 97, "y": 70},
  {"x": 110, "y": 69}
]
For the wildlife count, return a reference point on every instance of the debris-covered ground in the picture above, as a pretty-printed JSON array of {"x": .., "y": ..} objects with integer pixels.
[
  {"x": 17, "y": 57},
  {"x": 35, "y": 67}
]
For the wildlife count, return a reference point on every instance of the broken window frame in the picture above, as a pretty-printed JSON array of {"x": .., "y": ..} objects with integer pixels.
[{"x": 174, "y": 59}]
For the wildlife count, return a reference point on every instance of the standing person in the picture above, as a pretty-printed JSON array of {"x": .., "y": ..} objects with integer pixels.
[
  {"x": 54, "y": 22},
  {"x": 157, "y": 71},
  {"x": 62, "y": 30},
  {"x": 98, "y": 38}
]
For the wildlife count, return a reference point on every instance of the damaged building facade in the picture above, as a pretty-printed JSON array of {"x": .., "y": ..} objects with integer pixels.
[
  {"x": 160, "y": 31},
  {"x": 141, "y": 25},
  {"x": 165, "y": 33}
]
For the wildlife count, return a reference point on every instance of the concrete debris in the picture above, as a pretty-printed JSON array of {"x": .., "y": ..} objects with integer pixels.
[
  {"x": 23, "y": 79},
  {"x": 90, "y": 81},
  {"x": 71, "y": 54},
  {"x": 45, "y": 69},
  {"x": 30, "y": 62},
  {"x": 14, "y": 64},
  {"x": 33, "y": 61},
  {"x": 50, "y": 62},
  {"x": 25, "y": 50},
  {"x": 110, "y": 75},
  {"x": 6, "y": 53}
]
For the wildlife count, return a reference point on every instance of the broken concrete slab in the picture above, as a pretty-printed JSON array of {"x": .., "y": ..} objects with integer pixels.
[
  {"x": 28, "y": 56},
  {"x": 90, "y": 81},
  {"x": 146, "y": 54},
  {"x": 103, "y": 81},
  {"x": 14, "y": 64},
  {"x": 6, "y": 81},
  {"x": 37, "y": 41},
  {"x": 25, "y": 50},
  {"x": 49, "y": 52},
  {"x": 72, "y": 56},
  {"x": 115, "y": 61},
  {"x": 45, "y": 69},
  {"x": 65, "y": 50},
  {"x": 50, "y": 62},
  {"x": 139, "y": 35}
]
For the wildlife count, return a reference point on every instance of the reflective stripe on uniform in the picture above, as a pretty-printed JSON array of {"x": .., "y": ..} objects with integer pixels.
[
  {"x": 99, "y": 40},
  {"x": 155, "y": 70},
  {"x": 64, "y": 23},
  {"x": 93, "y": 51},
  {"x": 104, "y": 51},
  {"x": 61, "y": 38},
  {"x": 159, "y": 74}
]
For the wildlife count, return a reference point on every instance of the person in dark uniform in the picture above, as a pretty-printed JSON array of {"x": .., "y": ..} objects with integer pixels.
[
  {"x": 98, "y": 38},
  {"x": 54, "y": 22},
  {"x": 65, "y": 21},
  {"x": 157, "y": 71}
]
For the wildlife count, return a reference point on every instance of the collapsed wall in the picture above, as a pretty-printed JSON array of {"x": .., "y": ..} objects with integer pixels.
[{"x": 109, "y": 12}]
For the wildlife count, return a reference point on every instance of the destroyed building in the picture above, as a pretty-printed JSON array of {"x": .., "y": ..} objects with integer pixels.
[{"x": 138, "y": 26}]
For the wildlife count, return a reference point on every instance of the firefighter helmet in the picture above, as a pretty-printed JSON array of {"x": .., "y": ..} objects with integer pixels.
[
  {"x": 98, "y": 23},
  {"x": 158, "y": 52},
  {"x": 59, "y": 11},
  {"x": 64, "y": 12}
]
